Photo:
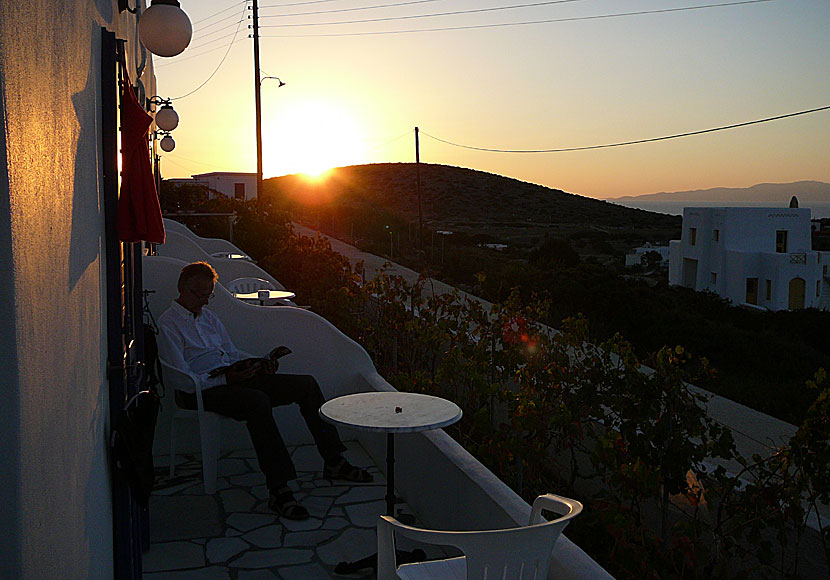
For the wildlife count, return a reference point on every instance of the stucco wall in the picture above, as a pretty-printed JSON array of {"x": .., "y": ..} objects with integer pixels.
[{"x": 53, "y": 428}]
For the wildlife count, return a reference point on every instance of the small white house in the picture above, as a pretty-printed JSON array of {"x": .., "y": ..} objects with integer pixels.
[
  {"x": 753, "y": 256},
  {"x": 230, "y": 184},
  {"x": 637, "y": 256}
]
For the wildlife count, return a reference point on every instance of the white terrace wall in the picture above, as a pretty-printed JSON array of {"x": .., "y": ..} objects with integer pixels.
[{"x": 54, "y": 475}]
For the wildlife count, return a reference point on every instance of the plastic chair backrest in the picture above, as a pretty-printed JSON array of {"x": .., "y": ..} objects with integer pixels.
[
  {"x": 515, "y": 553},
  {"x": 247, "y": 285},
  {"x": 209, "y": 245}
]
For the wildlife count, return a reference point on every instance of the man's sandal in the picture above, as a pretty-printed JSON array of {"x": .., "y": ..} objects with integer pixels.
[
  {"x": 286, "y": 506},
  {"x": 342, "y": 469}
]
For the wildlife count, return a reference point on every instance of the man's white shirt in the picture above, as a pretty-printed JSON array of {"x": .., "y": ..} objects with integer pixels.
[{"x": 197, "y": 344}]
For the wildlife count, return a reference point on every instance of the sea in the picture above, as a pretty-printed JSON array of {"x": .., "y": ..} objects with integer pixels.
[{"x": 818, "y": 210}]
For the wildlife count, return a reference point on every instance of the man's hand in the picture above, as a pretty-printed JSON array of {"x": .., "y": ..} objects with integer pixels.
[
  {"x": 269, "y": 366},
  {"x": 242, "y": 372}
]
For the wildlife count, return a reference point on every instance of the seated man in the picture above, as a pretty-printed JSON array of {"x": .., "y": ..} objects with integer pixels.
[{"x": 192, "y": 337}]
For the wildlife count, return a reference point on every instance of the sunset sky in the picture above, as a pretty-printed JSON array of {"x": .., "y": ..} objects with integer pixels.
[{"x": 355, "y": 91}]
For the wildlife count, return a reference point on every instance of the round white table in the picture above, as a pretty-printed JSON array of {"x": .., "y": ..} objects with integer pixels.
[
  {"x": 390, "y": 413},
  {"x": 231, "y": 256},
  {"x": 261, "y": 298}
]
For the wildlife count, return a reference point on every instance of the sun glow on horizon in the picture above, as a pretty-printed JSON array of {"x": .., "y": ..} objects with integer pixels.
[{"x": 310, "y": 138}]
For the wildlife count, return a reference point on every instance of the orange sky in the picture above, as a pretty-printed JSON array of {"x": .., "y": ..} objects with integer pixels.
[{"x": 572, "y": 83}]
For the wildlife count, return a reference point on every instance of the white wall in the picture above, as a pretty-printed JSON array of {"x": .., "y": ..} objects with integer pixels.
[
  {"x": 745, "y": 248},
  {"x": 224, "y": 182},
  {"x": 54, "y": 483},
  {"x": 755, "y": 228}
]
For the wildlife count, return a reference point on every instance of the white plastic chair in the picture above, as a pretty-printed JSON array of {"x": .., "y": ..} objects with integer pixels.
[
  {"x": 247, "y": 285},
  {"x": 209, "y": 424},
  {"x": 209, "y": 245},
  {"x": 516, "y": 553}
]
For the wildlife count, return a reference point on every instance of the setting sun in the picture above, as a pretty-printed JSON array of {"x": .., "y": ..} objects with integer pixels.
[{"x": 311, "y": 138}]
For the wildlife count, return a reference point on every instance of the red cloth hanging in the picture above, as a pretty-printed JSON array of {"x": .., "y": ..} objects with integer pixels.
[{"x": 139, "y": 212}]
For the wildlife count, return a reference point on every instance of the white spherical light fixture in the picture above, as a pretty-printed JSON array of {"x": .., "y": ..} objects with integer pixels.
[
  {"x": 164, "y": 28},
  {"x": 166, "y": 118},
  {"x": 168, "y": 144}
]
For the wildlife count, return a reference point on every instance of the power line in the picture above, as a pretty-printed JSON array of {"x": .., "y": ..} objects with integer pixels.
[
  {"x": 212, "y": 165},
  {"x": 356, "y": 9},
  {"x": 201, "y": 31},
  {"x": 182, "y": 59},
  {"x": 219, "y": 12},
  {"x": 297, "y": 4},
  {"x": 621, "y": 144},
  {"x": 390, "y": 141},
  {"x": 503, "y": 24},
  {"x": 206, "y": 42},
  {"x": 221, "y": 62},
  {"x": 437, "y": 14}
]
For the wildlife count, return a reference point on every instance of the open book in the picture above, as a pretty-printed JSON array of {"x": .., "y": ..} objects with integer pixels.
[{"x": 273, "y": 356}]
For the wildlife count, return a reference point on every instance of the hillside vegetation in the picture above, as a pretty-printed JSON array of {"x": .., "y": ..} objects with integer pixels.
[
  {"x": 486, "y": 207},
  {"x": 570, "y": 249}
]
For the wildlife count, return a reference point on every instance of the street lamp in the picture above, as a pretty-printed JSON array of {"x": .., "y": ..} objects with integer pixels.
[
  {"x": 443, "y": 234},
  {"x": 167, "y": 143},
  {"x": 167, "y": 118},
  {"x": 258, "y": 104},
  {"x": 164, "y": 29},
  {"x": 390, "y": 241},
  {"x": 282, "y": 84}
]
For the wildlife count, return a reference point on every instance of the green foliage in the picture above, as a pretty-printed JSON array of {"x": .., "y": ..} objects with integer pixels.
[
  {"x": 175, "y": 198},
  {"x": 558, "y": 410},
  {"x": 322, "y": 278},
  {"x": 554, "y": 410},
  {"x": 552, "y": 253}
]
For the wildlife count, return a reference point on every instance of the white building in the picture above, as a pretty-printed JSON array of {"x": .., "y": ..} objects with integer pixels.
[
  {"x": 637, "y": 257},
  {"x": 230, "y": 184},
  {"x": 753, "y": 256}
]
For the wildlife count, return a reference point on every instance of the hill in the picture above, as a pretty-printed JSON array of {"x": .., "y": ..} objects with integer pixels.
[
  {"x": 778, "y": 194},
  {"x": 492, "y": 207}
]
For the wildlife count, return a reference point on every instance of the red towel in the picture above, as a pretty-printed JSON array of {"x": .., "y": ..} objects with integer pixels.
[{"x": 139, "y": 212}]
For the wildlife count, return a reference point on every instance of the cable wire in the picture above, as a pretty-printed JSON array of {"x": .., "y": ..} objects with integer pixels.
[
  {"x": 390, "y": 141},
  {"x": 219, "y": 12},
  {"x": 499, "y": 24},
  {"x": 635, "y": 142},
  {"x": 182, "y": 59},
  {"x": 356, "y": 9},
  {"x": 212, "y": 165},
  {"x": 201, "y": 31},
  {"x": 223, "y": 37},
  {"x": 437, "y": 14},
  {"x": 221, "y": 62},
  {"x": 297, "y": 4}
]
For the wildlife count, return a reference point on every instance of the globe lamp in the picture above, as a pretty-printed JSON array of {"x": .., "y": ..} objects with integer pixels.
[{"x": 164, "y": 29}]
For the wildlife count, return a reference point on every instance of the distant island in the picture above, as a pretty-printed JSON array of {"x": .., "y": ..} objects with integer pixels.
[
  {"x": 777, "y": 193},
  {"x": 812, "y": 194}
]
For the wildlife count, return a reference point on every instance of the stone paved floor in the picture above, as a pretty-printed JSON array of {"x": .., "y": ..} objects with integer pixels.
[{"x": 232, "y": 535}]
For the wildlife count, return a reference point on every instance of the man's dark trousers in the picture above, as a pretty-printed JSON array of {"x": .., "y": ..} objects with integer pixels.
[{"x": 252, "y": 401}]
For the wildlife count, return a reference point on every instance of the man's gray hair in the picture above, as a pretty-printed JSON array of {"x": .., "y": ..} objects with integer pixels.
[{"x": 197, "y": 271}]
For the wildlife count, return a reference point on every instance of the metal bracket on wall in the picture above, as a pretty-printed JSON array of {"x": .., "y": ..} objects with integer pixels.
[{"x": 125, "y": 5}]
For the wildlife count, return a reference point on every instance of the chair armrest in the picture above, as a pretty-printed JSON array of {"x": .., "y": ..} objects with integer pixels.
[
  {"x": 556, "y": 504},
  {"x": 182, "y": 380},
  {"x": 389, "y": 526}
]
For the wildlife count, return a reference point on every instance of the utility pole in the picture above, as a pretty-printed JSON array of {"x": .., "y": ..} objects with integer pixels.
[
  {"x": 418, "y": 186},
  {"x": 258, "y": 100}
]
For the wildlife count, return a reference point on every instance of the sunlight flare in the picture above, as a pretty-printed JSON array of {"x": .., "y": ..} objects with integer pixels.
[{"x": 311, "y": 138}]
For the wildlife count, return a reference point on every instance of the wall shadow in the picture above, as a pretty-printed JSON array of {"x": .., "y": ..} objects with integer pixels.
[
  {"x": 10, "y": 548},
  {"x": 87, "y": 208}
]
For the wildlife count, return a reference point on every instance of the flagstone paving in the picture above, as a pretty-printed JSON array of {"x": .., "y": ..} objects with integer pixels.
[{"x": 232, "y": 535}]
